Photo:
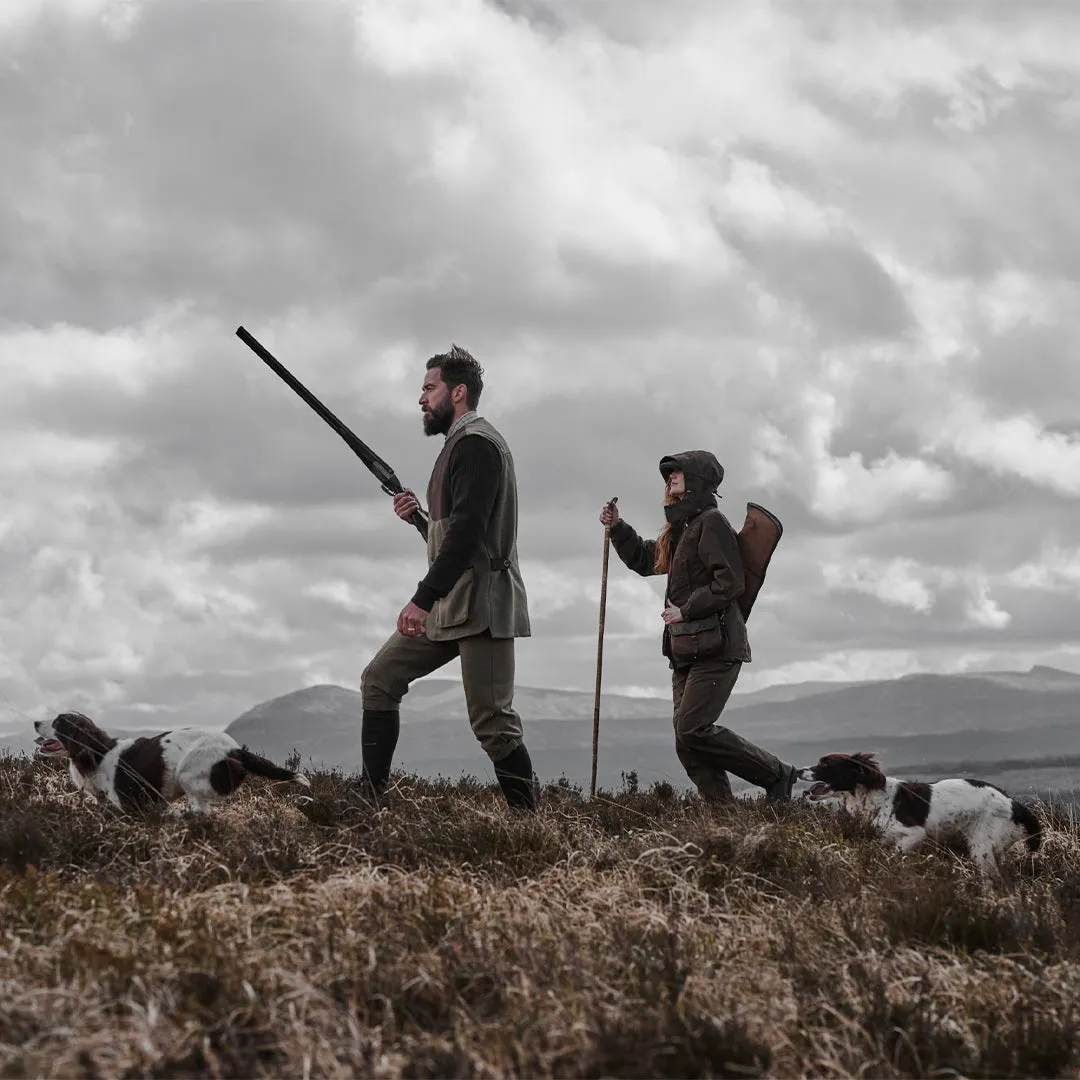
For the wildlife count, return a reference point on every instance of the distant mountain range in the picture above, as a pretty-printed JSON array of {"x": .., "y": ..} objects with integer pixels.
[{"x": 919, "y": 724}]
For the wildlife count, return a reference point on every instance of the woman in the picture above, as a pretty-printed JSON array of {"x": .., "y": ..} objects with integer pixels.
[{"x": 704, "y": 633}]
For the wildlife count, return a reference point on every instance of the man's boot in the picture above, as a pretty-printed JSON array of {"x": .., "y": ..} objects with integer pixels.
[
  {"x": 515, "y": 776},
  {"x": 378, "y": 740}
]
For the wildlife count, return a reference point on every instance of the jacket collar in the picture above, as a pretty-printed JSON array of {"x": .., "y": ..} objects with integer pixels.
[{"x": 460, "y": 422}]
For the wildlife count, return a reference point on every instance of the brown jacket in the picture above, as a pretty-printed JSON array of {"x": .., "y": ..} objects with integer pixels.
[{"x": 705, "y": 579}]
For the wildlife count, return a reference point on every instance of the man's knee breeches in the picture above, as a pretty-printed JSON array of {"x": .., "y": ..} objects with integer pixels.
[
  {"x": 382, "y": 684},
  {"x": 399, "y": 662},
  {"x": 487, "y": 675}
]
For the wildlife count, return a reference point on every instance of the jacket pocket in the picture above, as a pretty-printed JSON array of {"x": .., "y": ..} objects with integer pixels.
[
  {"x": 698, "y": 639},
  {"x": 456, "y": 606}
]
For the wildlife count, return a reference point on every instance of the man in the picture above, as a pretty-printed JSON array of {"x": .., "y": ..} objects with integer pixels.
[{"x": 472, "y": 602}]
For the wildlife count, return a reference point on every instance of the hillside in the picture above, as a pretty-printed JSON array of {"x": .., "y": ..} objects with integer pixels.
[
  {"x": 920, "y": 725},
  {"x": 638, "y": 935},
  {"x": 924, "y": 705},
  {"x": 323, "y": 724},
  {"x": 914, "y": 723}
]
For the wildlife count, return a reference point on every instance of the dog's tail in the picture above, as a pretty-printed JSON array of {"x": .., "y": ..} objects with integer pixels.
[
  {"x": 1023, "y": 816},
  {"x": 261, "y": 766}
]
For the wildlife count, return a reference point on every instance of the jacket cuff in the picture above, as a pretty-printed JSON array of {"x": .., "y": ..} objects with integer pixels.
[{"x": 424, "y": 597}]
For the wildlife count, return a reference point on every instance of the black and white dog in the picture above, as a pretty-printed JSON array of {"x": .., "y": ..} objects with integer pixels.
[
  {"x": 202, "y": 765},
  {"x": 909, "y": 812}
]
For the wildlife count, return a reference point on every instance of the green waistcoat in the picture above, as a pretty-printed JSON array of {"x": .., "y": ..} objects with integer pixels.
[{"x": 490, "y": 594}]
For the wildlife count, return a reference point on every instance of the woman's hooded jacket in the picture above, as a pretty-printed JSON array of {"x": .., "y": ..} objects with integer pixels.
[{"x": 706, "y": 573}]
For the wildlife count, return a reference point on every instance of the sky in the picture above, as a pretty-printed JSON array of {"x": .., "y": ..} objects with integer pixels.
[{"x": 837, "y": 244}]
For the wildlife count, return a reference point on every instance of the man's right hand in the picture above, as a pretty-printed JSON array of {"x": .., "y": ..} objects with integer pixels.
[
  {"x": 405, "y": 504},
  {"x": 609, "y": 515}
]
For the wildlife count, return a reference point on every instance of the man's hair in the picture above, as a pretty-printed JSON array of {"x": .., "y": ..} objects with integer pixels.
[{"x": 460, "y": 368}]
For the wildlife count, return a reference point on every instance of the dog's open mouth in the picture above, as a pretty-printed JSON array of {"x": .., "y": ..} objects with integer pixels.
[
  {"x": 49, "y": 747},
  {"x": 820, "y": 790}
]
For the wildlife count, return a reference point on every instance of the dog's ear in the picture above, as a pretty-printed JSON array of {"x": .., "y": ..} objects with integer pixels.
[
  {"x": 77, "y": 721},
  {"x": 869, "y": 771},
  {"x": 65, "y": 725},
  {"x": 867, "y": 759},
  {"x": 81, "y": 737},
  {"x": 832, "y": 759}
]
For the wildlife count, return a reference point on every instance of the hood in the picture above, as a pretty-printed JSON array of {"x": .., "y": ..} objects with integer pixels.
[{"x": 703, "y": 472}]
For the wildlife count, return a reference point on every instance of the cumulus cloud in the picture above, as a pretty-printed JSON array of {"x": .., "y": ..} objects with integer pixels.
[
  {"x": 897, "y": 582},
  {"x": 1019, "y": 445},
  {"x": 843, "y": 488},
  {"x": 983, "y": 610},
  {"x": 1058, "y": 570},
  {"x": 836, "y": 245},
  {"x": 904, "y": 583}
]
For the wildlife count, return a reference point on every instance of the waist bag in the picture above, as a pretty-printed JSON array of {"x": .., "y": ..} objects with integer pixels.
[{"x": 697, "y": 639}]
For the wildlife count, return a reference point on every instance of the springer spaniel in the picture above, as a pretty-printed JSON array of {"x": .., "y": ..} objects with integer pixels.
[
  {"x": 908, "y": 812},
  {"x": 203, "y": 765}
]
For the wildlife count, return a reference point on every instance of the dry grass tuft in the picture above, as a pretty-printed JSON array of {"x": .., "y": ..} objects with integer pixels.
[{"x": 639, "y": 935}]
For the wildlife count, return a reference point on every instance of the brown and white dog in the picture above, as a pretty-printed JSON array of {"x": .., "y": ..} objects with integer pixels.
[
  {"x": 909, "y": 812},
  {"x": 203, "y": 765}
]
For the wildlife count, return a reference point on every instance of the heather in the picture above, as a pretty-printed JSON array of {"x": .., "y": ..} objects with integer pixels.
[{"x": 638, "y": 934}]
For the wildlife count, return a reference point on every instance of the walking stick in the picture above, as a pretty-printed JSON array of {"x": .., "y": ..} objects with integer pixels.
[{"x": 600, "y": 655}]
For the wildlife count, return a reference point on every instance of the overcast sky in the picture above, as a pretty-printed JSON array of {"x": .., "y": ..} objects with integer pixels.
[{"x": 837, "y": 244}]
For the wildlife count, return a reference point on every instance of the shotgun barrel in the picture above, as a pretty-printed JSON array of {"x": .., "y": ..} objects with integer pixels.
[{"x": 382, "y": 472}]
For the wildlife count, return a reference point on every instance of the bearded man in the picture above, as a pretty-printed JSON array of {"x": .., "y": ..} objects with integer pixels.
[{"x": 471, "y": 603}]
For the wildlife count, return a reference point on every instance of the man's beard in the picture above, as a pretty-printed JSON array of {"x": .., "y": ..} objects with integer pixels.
[{"x": 438, "y": 420}]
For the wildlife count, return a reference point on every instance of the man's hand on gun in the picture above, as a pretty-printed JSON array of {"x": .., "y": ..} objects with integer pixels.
[
  {"x": 405, "y": 504},
  {"x": 411, "y": 621}
]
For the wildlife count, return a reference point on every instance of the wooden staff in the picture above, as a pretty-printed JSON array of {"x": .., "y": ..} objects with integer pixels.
[{"x": 600, "y": 655}]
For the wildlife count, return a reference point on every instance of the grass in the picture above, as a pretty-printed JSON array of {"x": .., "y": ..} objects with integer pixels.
[{"x": 642, "y": 934}]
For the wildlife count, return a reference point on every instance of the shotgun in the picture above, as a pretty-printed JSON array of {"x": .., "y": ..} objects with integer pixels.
[{"x": 382, "y": 472}]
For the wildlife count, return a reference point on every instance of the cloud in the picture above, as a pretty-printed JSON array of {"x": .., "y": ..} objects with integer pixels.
[
  {"x": 1058, "y": 570},
  {"x": 983, "y": 610},
  {"x": 936, "y": 588},
  {"x": 835, "y": 245},
  {"x": 1019, "y": 445},
  {"x": 114, "y": 15},
  {"x": 845, "y": 489},
  {"x": 897, "y": 583}
]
